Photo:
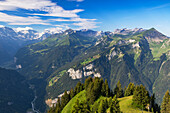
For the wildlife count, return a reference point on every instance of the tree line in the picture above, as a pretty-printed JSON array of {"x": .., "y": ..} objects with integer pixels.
[{"x": 96, "y": 87}]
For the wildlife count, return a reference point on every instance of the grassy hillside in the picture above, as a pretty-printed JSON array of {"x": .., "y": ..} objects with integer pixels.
[
  {"x": 158, "y": 48},
  {"x": 125, "y": 104},
  {"x": 81, "y": 96}
]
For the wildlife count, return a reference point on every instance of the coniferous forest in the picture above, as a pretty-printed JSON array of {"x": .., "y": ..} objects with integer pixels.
[{"x": 98, "y": 98}]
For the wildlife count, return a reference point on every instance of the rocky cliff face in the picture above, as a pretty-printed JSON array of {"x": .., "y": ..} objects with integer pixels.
[
  {"x": 84, "y": 72},
  {"x": 154, "y": 35},
  {"x": 75, "y": 74}
]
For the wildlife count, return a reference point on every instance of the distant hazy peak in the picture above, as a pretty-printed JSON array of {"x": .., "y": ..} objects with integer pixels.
[
  {"x": 22, "y": 29},
  {"x": 53, "y": 30},
  {"x": 29, "y": 33},
  {"x": 126, "y": 31},
  {"x": 7, "y": 32},
  {"x": 69, "y": 31}
]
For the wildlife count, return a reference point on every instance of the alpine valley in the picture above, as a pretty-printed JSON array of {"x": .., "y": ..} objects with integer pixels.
[
  {"x": 11, "y": 40},
  {"x": 56, "y": 62}
]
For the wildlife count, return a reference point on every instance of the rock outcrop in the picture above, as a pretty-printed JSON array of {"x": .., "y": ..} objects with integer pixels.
[{"x": 85, "y": 71}]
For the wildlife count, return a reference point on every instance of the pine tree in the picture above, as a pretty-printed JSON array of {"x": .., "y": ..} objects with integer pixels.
[
  {"x": 87, "y": 82},
  {"x": 114, "y": 106},
  {"x": 130, "y": 89},
  {"x": 97, "y": 87},
  {"x": 76, "y": 107},
  {"x": 72, "y": 93},
  {"x": 65, "y": 99},
  {"x": 58, "y": 106},
  {"x": 103, "y": 90},
  {"x": 157, "y": 109},
  {"x": 107, "y": 88},
  {"x": 102, "y": 107},
  {"x": 79, "y": 87},
  {"x": 90, "y": 93},
  {"x": 152, "y": 102},
  {"x": 168, "y": 106},
  {"x": 110, "y": 101},
  {"x": 52, "y": 110},
  {"x": 93, "y": 91},
  {"x": 124, "y": 90},
  {"x": 165, "y": 106},
  {"x": 118, "y": 90},
  {"x": 141, "y": 97},
  {"x": 154, "y": 107},
  {"x": 81, "y": 107}
]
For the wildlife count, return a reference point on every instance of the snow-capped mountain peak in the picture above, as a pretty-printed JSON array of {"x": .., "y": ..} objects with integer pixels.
[
  {"x": 126, "y": 31},
  {"x": 47, "y": 32},
  {"x": 19, "y": 29},
  {"x": 53, "y": 30},
  {"x": 28, "y": 34}
]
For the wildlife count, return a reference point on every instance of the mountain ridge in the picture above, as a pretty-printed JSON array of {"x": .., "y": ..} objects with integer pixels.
[
  {"x": 16, "y": 96},
  {"x": 71, "y": 56},
  {"x": 63, "y": 59}
]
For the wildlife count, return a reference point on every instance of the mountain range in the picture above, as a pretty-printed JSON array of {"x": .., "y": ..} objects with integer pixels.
[
  {"x": 60, "y": 61},
  {"x": 13, "y": 39},
  {"x": 57, "y": 62}
]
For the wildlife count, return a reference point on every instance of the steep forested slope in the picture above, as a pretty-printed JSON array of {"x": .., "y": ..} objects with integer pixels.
[
  {"x": 62, "y": 60},
  {"x": 15, "y": 94}
]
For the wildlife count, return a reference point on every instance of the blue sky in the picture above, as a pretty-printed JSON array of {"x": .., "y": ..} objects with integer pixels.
[{"x": 105, "y": 15}]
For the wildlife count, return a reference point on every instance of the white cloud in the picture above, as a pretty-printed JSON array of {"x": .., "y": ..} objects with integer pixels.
[
  {"x": 80, "y": 0},
  {"x": 58, "y": 11},
  {"x": 1, "y": 26},
  {"x": 54, "y": 30},
  {"x": 160, "y": 6},
  {"x": 57, "y": 29},
  {"x": 63, "y": 26},
  {"x": 22, "y": 28},
  {"x": 86, "y": 25},
  {"x": 81, "y": 22},
  {"x": 25, "y": 4},
  {"x": 44, "y": 8},
  {"x": 51, "y": 9},
  {"x": 72, "y": 20},
  {"x": 77, "y": 0},
  {"x": 82, "y": 19},
  {"x": 18, "y": 20}
]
